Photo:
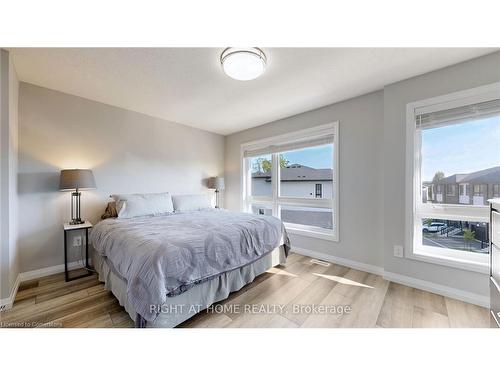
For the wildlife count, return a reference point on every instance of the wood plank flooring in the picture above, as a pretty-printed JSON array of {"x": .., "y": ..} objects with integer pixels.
[{"x": 300, "y": 294}]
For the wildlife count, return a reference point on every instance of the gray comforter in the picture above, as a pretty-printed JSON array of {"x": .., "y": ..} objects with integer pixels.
[{"x": 164, "y": 256}]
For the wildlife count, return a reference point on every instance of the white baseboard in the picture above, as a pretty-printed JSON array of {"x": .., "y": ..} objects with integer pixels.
[
  {"x": 342, "y": 261},
  {"x": 47, "y": 271},
  {"x": 444, "y": 290},
  {"x": 6, "y": 303}
]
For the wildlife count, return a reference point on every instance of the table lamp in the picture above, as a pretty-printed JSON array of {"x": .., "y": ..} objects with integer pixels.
[
  {"x": 76, "y": 179},
  {"x": 216, "y": 183}
]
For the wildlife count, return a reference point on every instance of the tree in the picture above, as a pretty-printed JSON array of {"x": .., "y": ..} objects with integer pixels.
[
  {"x": 283, "y": 162},
  {"x": 469, "y": 236},
  {"x": 438, "y": 176},
  {"x": 264, "y": 165}
]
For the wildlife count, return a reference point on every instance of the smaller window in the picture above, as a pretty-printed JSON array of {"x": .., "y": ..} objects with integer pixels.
[
  {"x": 450, "y": 190},
  {"x": 496, "y": 190},
  {"x": 480, "y": 190},
  {"x": 439, "y": 189},
  {"x": 319, "y": 190},
  {"x": 262, "y": 209}
]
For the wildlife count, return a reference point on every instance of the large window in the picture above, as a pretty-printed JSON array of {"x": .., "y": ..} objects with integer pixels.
[
  {"x": 294, "y": 177},
  {"x": 452, "y": 141}
]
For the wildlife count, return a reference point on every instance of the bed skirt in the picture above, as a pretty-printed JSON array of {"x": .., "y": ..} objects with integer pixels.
[{"x": 180, "y": 308}]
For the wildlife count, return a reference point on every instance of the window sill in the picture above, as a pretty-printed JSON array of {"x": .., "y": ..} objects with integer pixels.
[
  {"x": 479, "y": 264},
  {"x": 311, "y": 233}
]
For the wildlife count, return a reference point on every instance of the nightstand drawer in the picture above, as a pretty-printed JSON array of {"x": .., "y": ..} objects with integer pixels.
[
  {"x": 495, "y": 228},
  {"x": 495, "y": 300}
]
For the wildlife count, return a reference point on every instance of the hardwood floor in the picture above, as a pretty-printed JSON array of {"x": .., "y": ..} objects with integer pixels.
[{"x": 292, "y": 296}]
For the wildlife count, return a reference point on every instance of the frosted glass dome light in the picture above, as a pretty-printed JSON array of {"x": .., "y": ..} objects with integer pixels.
[{"x": 243, "y": 64}]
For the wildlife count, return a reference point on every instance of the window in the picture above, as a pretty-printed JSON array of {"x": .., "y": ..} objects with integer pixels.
[
  {"x": 304, "y": 171},
  {"x": 293, "y": 177},
  {"x": 496, "y": 190},
  {"x": 261, "y": 175},
  {"x": 480, "y": 190},
  {"x": 261, "y": 209},
  {"x": 451, "y": 140},
  {"x": 451, "y": 190},
  {"x": 319, "y": 189}
]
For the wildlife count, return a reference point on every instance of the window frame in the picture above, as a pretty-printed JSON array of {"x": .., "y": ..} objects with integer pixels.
[
  {"x": 416, "y": 210},
  {"x": 326, "y": 130}
]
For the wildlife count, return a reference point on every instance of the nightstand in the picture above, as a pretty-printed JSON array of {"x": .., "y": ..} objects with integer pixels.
[{"x": 68, "y": 228}]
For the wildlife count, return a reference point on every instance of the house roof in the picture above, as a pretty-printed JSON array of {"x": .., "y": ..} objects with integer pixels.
[
  {"x": 485, "y": 176},
  {"x": 299, "y": 172},
  {"x": 453, "y": 179}
]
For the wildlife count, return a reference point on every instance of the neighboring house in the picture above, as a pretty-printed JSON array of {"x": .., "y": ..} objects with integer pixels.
[
  {"x": 296, "y": 181},
  {"x": 472, "y": 188}
]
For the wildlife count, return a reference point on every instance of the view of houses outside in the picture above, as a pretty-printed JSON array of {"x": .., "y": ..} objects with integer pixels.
[
  {"x": 305, "y": 173},
  {"x": 461, "y": 166}
]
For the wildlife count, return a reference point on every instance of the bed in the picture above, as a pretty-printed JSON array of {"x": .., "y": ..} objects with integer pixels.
[{"x": 165, "y": 268}]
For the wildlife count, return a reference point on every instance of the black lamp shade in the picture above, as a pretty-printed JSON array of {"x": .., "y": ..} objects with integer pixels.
[{"x": 72, "y": 179}]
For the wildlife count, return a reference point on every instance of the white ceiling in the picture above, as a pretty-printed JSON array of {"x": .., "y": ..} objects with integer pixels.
[{"x": 187, "y": 85}]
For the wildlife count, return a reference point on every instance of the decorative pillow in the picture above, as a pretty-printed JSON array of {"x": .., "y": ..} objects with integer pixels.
[
  {"x": 193, "y": 202},
  {"x": 133, "y": 205},
  {"x": 110, "y": 211}
]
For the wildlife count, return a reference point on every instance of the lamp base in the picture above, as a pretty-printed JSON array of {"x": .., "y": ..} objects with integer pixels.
[{"x": 75, "y": 208}]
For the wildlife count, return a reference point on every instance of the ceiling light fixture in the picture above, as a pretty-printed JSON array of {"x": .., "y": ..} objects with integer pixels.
[{"x": 243, "y": 64}]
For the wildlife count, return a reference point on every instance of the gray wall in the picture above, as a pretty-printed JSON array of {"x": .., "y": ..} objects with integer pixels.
[
  {"x": 128, "y": 152},
  {"x": 473, "y": 73},
  {"x": 361, "y": 136},
  {"x": 9, "y": 86},
  {"x": 372, "y": 170}
]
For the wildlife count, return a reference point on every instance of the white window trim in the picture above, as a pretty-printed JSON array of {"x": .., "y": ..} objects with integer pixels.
[
  {"x": 330, "y": 129},
  {"x": 413, "y": 248}
]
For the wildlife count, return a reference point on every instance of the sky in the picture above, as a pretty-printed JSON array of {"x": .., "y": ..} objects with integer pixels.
[
  {"x": 462, "y": 148},
  {"x": 314, "y": 157}
]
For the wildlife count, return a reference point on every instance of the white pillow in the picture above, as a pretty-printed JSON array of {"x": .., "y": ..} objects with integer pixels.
[
  {"x": 133, "y": 205},
  {"x": 193, "y": 202}
]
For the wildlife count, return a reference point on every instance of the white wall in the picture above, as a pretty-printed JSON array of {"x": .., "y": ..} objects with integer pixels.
[
  {"x": 13, "y": 172},
  {"x": 305, "y": 189},
  {"x": 9, "y": 86},
  {"x": 360, "y": 190},
  {"x": 127, "y": 151},
  {"x": 4, "y": 146},
  {"x": 473, "y": 73}
]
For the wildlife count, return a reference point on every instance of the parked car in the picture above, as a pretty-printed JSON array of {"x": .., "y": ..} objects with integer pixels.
[{"x": 433, "y": 227}]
